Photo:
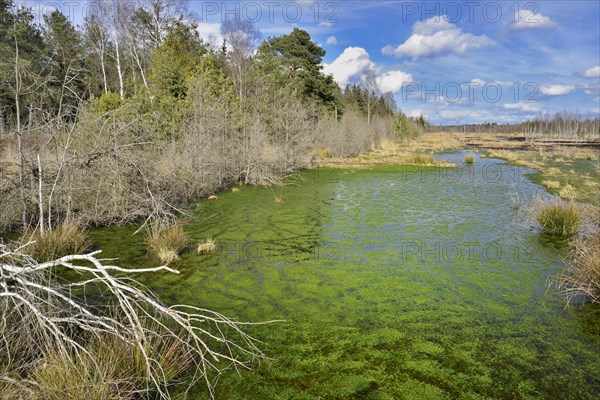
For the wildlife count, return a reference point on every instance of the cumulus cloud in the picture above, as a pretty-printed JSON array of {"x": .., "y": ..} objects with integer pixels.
[
  {"x": 521, "y": 106},
  {"x": 332, "y": 40},
  {"x": 210, "y": 33},
  {"x": 527, "y": 19},
  {"x": 392, "y": 81},
  {"x": 417, "y": 113},
  {"x": 437, "y": 37},
  {"x": 556, "y": 90},
  {"x": 351, "y": 63},
  {"x": 593, "y": 72}
]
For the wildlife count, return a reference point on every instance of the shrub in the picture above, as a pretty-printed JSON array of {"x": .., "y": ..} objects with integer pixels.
[
  {"x": 167, "y": 241},
  {"x": 107, "y": 102},
  {"x": 64, "y": 239},
  {"x": 469, "y": 159},
  {"x": 558, "y": 218}
]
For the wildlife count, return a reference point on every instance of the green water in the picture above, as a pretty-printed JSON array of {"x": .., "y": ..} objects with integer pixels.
[{"x": 394, "y": 283}]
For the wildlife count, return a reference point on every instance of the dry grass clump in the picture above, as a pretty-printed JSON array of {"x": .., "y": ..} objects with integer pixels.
[
  {"x": 568, "y": 192},
  {"x": 66, "y": 238},
  {"x": 279, "y": 200},
  {"x": 167, "y": 241},
  {"x": 469, "y": 159},
  {"x": 207, "y": 246},
  {"x": 509, "y": 155},
  {"x": 420, "y": 159},
  {"x": 551, "y": 184},
  {"x": 235, "y": 189},
  {"x": 435, "y": 141},
  {"x": 583, "y": 273},
  {"x": 557, "y": 218}
]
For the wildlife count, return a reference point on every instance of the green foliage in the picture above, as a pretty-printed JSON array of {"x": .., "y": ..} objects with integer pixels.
[
  {"x": 401, "y": 127},
  {"x": 107, "y": 102},
  {"x": 175, "y": 60},
  {"x": 302, "y": 59}
]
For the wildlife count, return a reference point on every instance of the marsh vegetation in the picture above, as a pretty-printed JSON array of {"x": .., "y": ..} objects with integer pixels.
[{"x": 395, "y": 259}]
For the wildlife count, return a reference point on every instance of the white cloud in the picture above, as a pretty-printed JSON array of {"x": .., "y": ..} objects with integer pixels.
[
  {"x": 332, "y": 40},
  {"x": 351, "y": 63},
  {"x": 210, "y": 33},
  {"x": 461, "y": 114},
  {"x": 556, "y": 90},
  {"x": 478, "y": 82},
  {"x": 325, "y": 24},
  {"x": 437, "y": 37},
  {"x": 593, "y": 72},
  {"x": 527, "y": 19},
  {"x": 392, "y": 81},
  {"x": 521, "y": 106},
  {"x": 417, "y": 114}
]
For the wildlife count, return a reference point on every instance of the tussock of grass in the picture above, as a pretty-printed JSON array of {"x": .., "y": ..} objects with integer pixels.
[
  {"x": 207, "y": 246},
  {"x": 235, "y": 189},
  {"x": 420, "y": 159},
  {"x": 551, "y": 184},
  {"x": 568, "y": 192},
  {"x": 64, "y": 239},
  {"x": 557, "y": 218},
  {"x": 583, "y": 274},
  {"x": 469, "y": 159},
  {"x": 279, "y": 200},
  {"x": 118, "y": 373},
  {"x": 166, "y": 242}
]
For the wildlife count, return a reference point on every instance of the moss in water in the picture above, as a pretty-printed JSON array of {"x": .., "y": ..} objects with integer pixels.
[{"x": 393, "y": 283}]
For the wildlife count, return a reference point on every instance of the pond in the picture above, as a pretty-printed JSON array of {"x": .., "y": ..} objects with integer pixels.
[{"x": 394, "y": 283}]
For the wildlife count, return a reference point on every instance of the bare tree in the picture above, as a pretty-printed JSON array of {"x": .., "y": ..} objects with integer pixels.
[
  {"x": 53, "y": 314},
  {"x": 241, "y": 37},
  {"x": 114, "y": 15},
  {"x": 96, "y": 38},
  {"x": 369, "y": 84}
]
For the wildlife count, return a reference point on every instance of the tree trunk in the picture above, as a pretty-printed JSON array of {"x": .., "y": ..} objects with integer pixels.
[
  {"x": 103, "y": 67},
  {"x": 40, "y": 196},
  {"x": 119, "y": 69},
  {"x": 2, "y": 128},
  {"x": 19, "y": 132}
]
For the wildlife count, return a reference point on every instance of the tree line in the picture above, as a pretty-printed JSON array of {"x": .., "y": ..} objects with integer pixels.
[
  {"x": 560, "y": 126},
  {"x": 133, "y": 115}
]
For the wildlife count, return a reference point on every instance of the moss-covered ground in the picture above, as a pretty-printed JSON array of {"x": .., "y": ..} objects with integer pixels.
[{"x": 394, "y": 283}]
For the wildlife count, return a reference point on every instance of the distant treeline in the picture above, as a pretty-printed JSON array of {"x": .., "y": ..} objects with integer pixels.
[{"x": 562, "y": 125}]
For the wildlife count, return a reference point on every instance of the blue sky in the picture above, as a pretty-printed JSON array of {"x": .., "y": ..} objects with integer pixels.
[{"x": 454, "y": 61}]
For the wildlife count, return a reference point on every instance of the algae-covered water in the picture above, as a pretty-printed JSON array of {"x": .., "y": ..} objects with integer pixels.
[{"x": 394, "y": 283}]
